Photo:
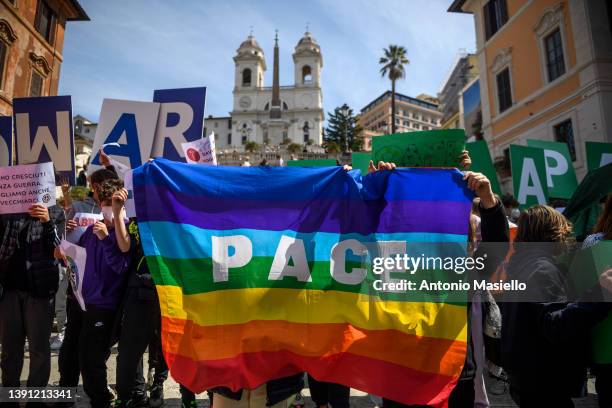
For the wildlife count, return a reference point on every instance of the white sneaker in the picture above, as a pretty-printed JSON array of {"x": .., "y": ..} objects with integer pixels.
[{"x": 56, "y": 344}]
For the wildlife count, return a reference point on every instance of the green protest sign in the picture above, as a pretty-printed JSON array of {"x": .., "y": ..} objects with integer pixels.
[
  {"x": 560, "y": 175},
  {"x": 528, "y": 175},
  {"x": 584, "y": 272},
  {"x": 482, "y": 163},
  {"x": 312, "y": 163},
  {"x": 361, "y": 161},
  {"x": 432, "y": 148},
  {"x": 598, "y": 154}
]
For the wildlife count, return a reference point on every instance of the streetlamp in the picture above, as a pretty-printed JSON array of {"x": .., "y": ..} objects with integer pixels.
[{"x": 345, "y": 112}]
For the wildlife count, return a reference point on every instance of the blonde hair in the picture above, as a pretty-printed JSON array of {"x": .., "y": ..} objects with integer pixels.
[{"x": 542, "y": 223}]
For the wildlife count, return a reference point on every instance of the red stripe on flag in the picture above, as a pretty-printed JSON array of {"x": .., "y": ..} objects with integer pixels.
[{"x": 250, "y": 370}]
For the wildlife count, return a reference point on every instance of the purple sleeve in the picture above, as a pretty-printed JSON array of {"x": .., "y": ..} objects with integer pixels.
[{"x": 115, "y": 259}]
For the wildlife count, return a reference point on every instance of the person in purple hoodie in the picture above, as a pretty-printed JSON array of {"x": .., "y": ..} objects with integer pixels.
[{"x": 104, "y": 282}]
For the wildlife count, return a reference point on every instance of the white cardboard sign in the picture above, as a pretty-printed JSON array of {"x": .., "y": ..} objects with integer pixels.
[
  {"x": 25, "y": 185},
  {"x": 76, "y": 256},
  {"x": 201, "y": 151}
]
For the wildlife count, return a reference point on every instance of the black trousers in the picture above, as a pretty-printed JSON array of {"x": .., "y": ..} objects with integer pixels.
[
  {"x": 140, "y": 328},
  {"x": 462, "y": 396},
  {"x": 187, "y": 395},
  {"x": 603, "y": 384},
  {"x": 545, "y": 397},
  {"x": 324, "y": 393},
  {"x": 94, "y": 350},
  {"x": 24, "y": 316},
  {"x": 157, "y": 361},
  {"x": 68, "y": 361}
]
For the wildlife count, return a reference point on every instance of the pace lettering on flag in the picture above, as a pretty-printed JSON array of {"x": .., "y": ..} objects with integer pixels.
[{"x": 270, "y": 276}]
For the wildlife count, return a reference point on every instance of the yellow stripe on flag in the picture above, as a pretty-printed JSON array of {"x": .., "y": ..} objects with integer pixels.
[{"x": 237, "y": 306}]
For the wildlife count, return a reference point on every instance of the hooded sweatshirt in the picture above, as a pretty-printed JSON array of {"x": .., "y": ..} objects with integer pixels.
[{"x": 105, "y": 274}]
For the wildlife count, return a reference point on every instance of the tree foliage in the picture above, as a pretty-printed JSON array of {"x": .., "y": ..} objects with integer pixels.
[
  {"x": 343, "y": 130},
  {"x": 294, "y": 148},
  {"x": 331, "y": 147},
  {"x": 251, "y": 146}
]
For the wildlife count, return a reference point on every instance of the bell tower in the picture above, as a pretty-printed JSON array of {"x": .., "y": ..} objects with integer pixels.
[
  {"x": 250, "y": 65},
  {"x": 308, "y": 62}
]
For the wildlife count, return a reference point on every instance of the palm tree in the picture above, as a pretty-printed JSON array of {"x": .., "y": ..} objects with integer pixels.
[{"x": 393, "y": 66}]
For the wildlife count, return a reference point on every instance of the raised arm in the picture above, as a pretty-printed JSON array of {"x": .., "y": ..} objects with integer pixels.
[{"x": 121, "y": 232}]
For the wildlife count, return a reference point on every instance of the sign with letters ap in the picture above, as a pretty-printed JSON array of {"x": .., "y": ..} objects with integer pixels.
[
  {"x": 44, "y": 133},
  {"x": 528, "y": 175}
]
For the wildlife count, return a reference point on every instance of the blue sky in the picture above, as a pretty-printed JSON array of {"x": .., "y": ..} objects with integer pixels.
[{"x": 132, "y": 47}]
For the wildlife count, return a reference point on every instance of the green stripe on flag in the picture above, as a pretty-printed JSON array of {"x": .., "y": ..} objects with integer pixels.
[{"x": 195, "y": 276}]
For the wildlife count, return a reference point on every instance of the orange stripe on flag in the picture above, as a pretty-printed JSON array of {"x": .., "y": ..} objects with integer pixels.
[{"x": 427, "y": 354}]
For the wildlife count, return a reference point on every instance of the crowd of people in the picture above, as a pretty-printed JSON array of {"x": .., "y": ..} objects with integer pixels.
[{"x": 541, "y": 349}]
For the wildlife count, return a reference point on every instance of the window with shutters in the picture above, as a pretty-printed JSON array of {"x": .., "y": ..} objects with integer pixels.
[
  {"x": 504, "y": 90},
  {"x": 495, "y": 14},
  {"x": 564, "y": 133},
  {"x": 3, "y": 58},
  {"x": 555, "y": 63},
  {"x": 45, "y": 21},
  {"x": 36, "y": 84}
]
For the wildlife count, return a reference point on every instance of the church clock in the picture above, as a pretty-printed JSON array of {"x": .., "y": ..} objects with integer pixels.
[{"x": 245, "y": 102}]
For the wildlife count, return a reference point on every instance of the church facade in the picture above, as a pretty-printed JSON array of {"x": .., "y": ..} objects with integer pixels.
[{"x": 273, "y": 115}]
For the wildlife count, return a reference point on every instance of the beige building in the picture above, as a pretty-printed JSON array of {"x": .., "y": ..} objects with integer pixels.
[
  {"x": 545, "y": 73},
  {"x": 221, "y": 126},
  {"x": 412, "y": 114},
  {"x": 463, "y": 71},
  {"x": 84, "y": 134}
]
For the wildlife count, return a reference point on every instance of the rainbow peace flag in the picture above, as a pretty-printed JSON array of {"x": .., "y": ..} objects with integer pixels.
[{"x": 265, "y": 272}]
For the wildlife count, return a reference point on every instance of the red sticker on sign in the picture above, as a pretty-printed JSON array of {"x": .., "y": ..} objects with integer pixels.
[{"x": 193, "y": 154}]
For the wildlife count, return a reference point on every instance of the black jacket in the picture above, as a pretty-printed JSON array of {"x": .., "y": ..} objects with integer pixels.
[
  {"x": 29, "y": 263},
  {"x": 545, "y": 344}
]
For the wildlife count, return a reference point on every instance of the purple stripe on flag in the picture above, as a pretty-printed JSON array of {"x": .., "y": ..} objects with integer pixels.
[{"x": 326, "y": 215}]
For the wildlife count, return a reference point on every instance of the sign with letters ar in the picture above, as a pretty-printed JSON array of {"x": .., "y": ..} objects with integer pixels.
[
  {"x": 528, "y": 175},
  {"x": 560, "y": 175},
  {"x": 43, "y": 133},
  {"x": 431, "y": 148},
  {"x": 598, "y": 154},
  {"x": 180, "y": 120},
  {"x": 132, "y": 125},
  {"x": 6, "y": 141}
]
